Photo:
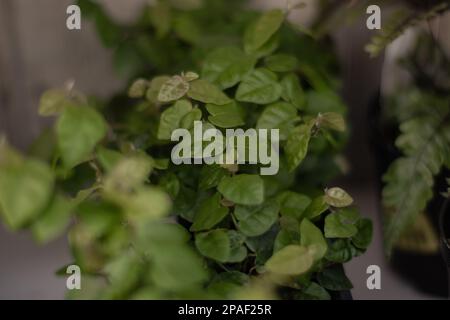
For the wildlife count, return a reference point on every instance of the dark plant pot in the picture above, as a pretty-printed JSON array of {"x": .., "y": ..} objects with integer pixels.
[{"x": 426, "y": 272}]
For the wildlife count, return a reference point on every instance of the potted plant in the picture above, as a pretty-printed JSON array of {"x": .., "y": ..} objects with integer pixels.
[
  {"x": 411, "y": 135},
  {"x": 146, "y": 225}
]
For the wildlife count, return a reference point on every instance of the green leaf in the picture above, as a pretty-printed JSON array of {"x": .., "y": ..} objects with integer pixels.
[
  {"x": 292, "y": 260},
  {"x": 211, "y": 175},
  {"x": 316, "y": 208},
  {"x": 238, "y": 252},
  {"x": 187, "y": 122},
  {"x": 138, "y": 88},
  {"x": 256, "y": 220},
  {"x": 161, "y": 18},
  {"x": 53, "y": 221},
  {"x": 281, "y": 62},
  {"x": 280, "y": 115},
  {"x": 340, "y": 251},
  {"x": 313, "y": 291},
  {"x": 324, "y": 101},
  {"x": 226, "y": 116},
  {"x": 245, "y": 189},
  {"x": 173, "y": 89},
  {"x": 210, "y": 213},
  {"x": 25, "y": 191},
  {"x": 52, "y": 102},
  {"x": 171, "y": 184},
  {"x": 204, "y": 91},
  {"x": 108, "y": 158},
  {"x": 331, "y": 120},
  {"x": 123, "y": 274},
  {"x": 363, "y": 237},
  {"x": 268, "y": 48},
  {"x": 214, "y": 244},
  {"x": 292, "y": 91},
  {"x": 334, "y": 278},
  {"x": 312, "y": 238},
  {"x": 227, "y": 66},
  {"x": 293, "y": 204},
  {"x": 260, "y": 87},
  {"x": 171, "y": 118},
  {"x": 262, "y": 30},
  {"x": 341, "y": 224},
  {"x": 78, "y": 131},
  {"x": 297, "y": 146},
  {"x": 337, "y": 197},
  {"x": 284, "y": 238},
  {"x": 187, "y": 29}
]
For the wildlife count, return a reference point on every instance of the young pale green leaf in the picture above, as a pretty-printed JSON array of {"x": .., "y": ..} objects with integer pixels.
[
  {"x": 53, "y": 221},
  {"x": 52, "y": 102},
  {"x": 312, "y": 238},
  {"x": 227, "y": 66},
  {"x": 280, "y": 115},
  {"x": 129, "y": 173},
  {"x": 204, "y": 91},
  {"x": 78, "y": 131},
  {"x": 214, "y": 244},
  {"x": 334, "y": 278},
  {"x": 254, "y": 221},
  {"x": 316, "y": 208},
  {"x": 25, "y": 191},
  {"x": 337, "y": 197},
  {"x": 292, "y": 260},
  {"x": 138, "y": 88},
  {"x": 262, "y": 30},
  {"x": 297, "y": 146},
  {"x": 226, "y": 116},
  {"x": 292, "y": 91},
  {"x": 172, "y": 117},
  {"x": 173, "y": 89},
  {"x": 154, "y": 88},
  {"x": 147, "y": 203},
  {"x": 331, "y": 120},
  {"x": 281, "y": 62},
  {"x": 210, "y": 213},
  {"x": 245, "y": 189},
  {"x": 363, "y": 237},
  {"x": 190, "y": 76},
  {"x": 260, "y": 87},
  {"x": 293, "y": 204},
  {"x": 341, "y": 224}
]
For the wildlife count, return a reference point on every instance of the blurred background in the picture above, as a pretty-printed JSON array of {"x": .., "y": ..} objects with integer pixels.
[{"x": 37, "y": 52}]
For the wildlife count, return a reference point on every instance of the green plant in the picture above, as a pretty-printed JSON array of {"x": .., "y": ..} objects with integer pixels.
[
  {"x": 422, "y": 114},
  {"x": 143, "y": 227}
]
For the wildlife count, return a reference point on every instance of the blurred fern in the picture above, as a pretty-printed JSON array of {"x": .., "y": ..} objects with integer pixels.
[
  {"x": 425, "y": 143},
  {"x": 399, "y": 22}
]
